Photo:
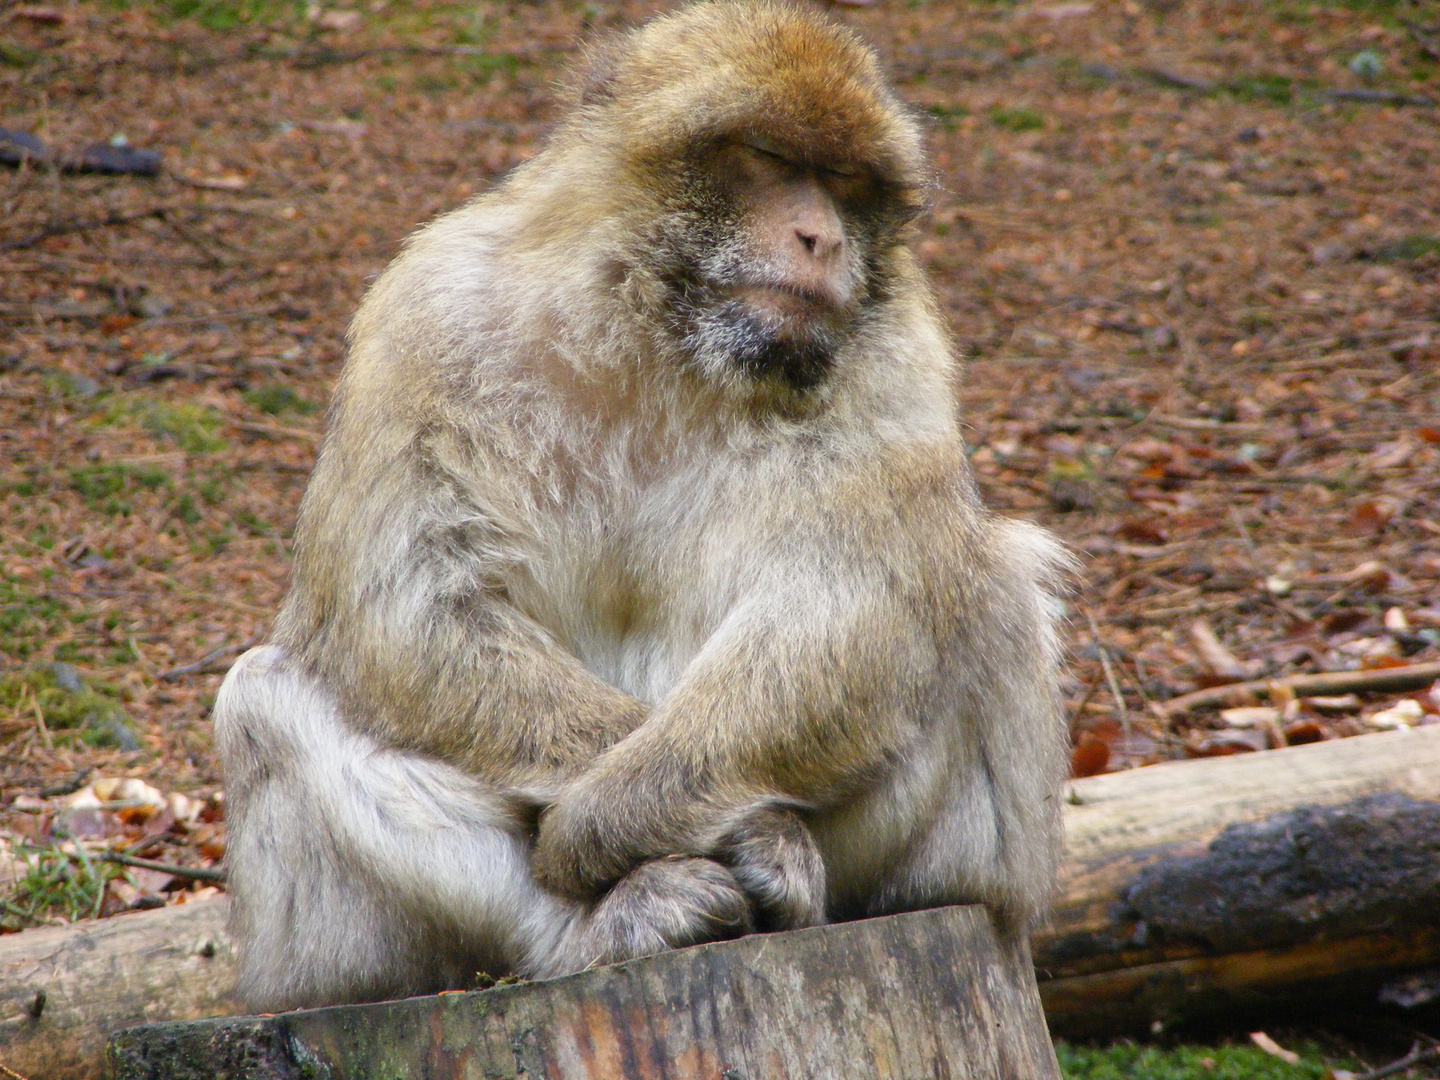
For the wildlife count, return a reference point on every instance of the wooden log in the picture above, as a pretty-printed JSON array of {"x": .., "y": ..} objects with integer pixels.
[
  {"x": 1145, "y": 846},
  {"x": 64, "y": 989},
  {"x": 928, "y": 994},
  {"x": 1100, "y": 968}
]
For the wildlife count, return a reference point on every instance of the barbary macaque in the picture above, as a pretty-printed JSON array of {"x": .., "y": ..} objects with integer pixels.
[{"x": 642, "y": 594}]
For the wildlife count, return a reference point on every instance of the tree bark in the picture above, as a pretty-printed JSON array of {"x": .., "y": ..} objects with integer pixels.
[
  {"x": 934, "y": 993},
  {"x": 1246, "y": 880},
  {"x": 63, "y": 990}
]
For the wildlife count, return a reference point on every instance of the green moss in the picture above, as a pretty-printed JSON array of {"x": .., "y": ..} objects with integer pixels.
[
  {"x": 102, "y": 486},
  {"x": 193, "y": 428},
  {"x": 72, "y": 708},
  {"x": 1127, "y": 1061},
  {"x": 275, "y": 399},
  {"x": 1021, "y": 119}
]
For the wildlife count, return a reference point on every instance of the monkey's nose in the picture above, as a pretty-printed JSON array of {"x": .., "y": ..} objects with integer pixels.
[{"x": 821, "y": 243}]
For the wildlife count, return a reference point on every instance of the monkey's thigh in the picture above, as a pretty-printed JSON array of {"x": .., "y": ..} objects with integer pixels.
[
  {"x": 357, "y": 871},
  {"x": 925, "y": 834},
  {"x": 966, "y": 813}
]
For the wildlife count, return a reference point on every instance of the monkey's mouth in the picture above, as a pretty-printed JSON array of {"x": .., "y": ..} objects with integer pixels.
[{"x": 783, "y": 302}]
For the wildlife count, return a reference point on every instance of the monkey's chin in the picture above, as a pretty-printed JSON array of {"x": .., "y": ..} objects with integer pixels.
[{"x": 796, "y": 349}]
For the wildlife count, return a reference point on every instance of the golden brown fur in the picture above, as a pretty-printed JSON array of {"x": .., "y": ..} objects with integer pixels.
[{"x": 744, "y": 635}]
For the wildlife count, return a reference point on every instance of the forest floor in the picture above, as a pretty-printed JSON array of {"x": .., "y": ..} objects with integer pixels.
[{"x": 1191, "y": 253}]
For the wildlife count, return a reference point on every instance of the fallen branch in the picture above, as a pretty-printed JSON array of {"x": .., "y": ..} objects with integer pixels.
[
  {"x": 205, "y": 665},
  {"x": 1103, "y": 967},
  {"x": 1409, "y": 1061},
  {"x": 63, "y": 990},
  {"x": 199, "y": 873},
  {"x": 1410, "y": 677},
  {"x": 77, "y": 224},
  {"x": 276, "y": 431}
]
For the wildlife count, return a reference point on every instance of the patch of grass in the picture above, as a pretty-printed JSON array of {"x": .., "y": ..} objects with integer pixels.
[
  {"x": 229, "y": 14},
  {"x": 102, "y": 486},
  {"x": 57, "y": 884},
  {"x": 193, "y": 428},
  {"x": 72, "y": 708},
  {"x": 947, "y": 116},
  {"x": 1018, "y": 119},
  {"x": 185, "y": 509},
  {"x": 27, "y": 621},
  {"x": 1275, "y": 89},
  {"x": 483, "y": 68},
  {"x": 275, "y": 398},
  {"x": 13, "y": 54},
  {"x": 1408, "y": 248},
  {"x": 1126, "y": 1061}
]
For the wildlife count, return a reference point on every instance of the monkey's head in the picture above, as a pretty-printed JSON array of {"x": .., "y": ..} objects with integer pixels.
[{"x": 767, "y": 174}]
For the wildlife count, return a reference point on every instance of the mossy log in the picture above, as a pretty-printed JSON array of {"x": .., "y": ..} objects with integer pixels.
[{"x": 917, "y": 996}]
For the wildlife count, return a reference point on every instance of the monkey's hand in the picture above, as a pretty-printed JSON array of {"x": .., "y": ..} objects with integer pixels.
[
  {"x": 597, "y": 832},
  {"x": 594, "y": 834}
]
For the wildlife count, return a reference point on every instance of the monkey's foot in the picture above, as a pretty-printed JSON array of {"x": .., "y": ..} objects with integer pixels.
[{"x": 663, "y": 904}]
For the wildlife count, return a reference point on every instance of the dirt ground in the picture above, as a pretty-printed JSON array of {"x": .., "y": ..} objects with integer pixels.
[{"x": 1190, "y": 251}]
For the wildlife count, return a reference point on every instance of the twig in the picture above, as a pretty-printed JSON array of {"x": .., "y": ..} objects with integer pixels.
[
  {"x": 8, "y": 1071},
  {"x": 68, "y": 787},
  {"x": 203, "y": 664},
  {"x": 1110, "y": 678},
  {"x": 1176, "y": 79},
  {"x": 1378, "y": 97},
  {"x": 203, "y": 244},
  {"x": 200, "y": 873},
  {"x": 76, "y": 224},
  {"x": 275, "y": 431},
  {"x": 1411, "y": 677},
  {"x": 1427, "y": 39},
  {"x": 1409, "y": 1061}
]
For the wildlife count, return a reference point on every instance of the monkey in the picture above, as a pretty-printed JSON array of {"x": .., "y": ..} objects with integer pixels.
[{"x": 642, "y": 593}]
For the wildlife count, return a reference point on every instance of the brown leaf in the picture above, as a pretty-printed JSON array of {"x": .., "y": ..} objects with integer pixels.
[
  {"x": 1368, "y": 518},
  {"x": 1141, "y": 531},
  {"x": 1090, "y": 755},
  {"x": 1303, "y": 731}
]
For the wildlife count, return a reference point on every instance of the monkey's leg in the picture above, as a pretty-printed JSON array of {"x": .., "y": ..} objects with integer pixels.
[{"x": 360, "y": 872}]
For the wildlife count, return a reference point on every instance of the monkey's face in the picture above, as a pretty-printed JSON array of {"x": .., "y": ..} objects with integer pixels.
[{"x": 774, "y": 260}]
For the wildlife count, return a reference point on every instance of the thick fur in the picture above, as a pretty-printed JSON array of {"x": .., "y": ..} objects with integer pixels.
[{"x": 739, "y": 635}]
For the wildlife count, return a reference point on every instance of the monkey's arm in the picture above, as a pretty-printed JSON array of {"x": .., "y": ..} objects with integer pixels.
[
  {"x": 799, "y": 699},
  {"x": 401, "y": 607}
]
